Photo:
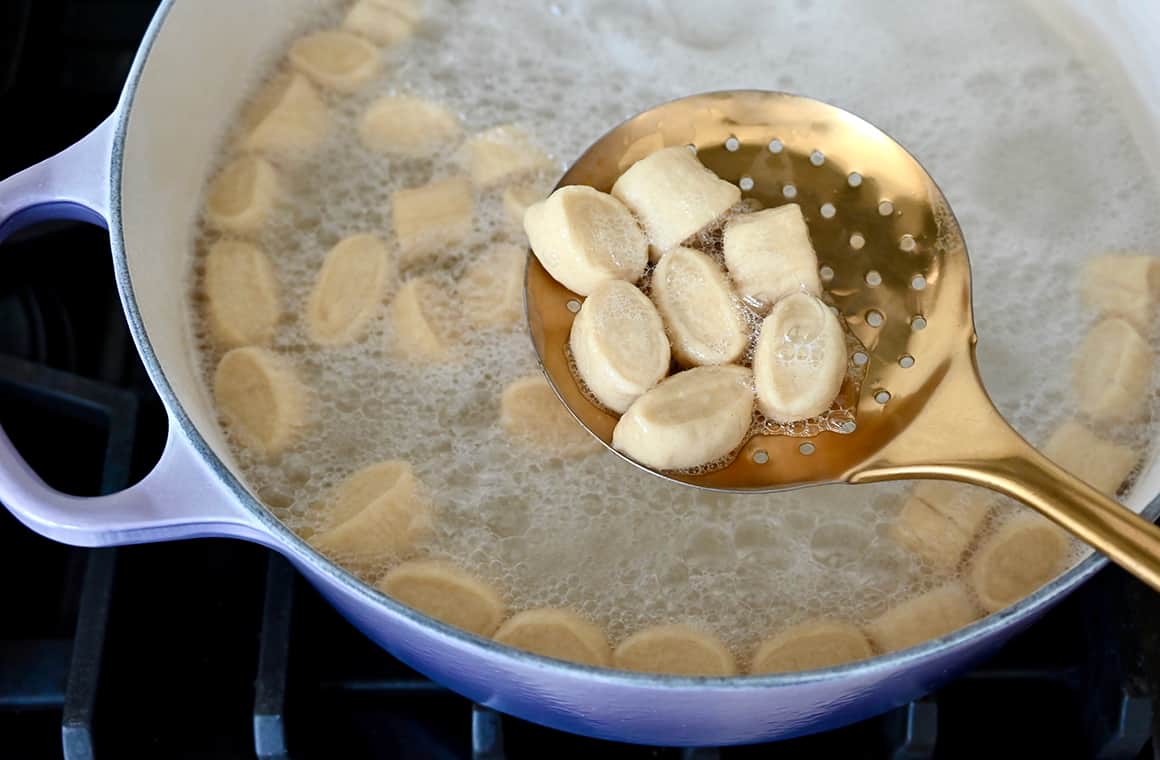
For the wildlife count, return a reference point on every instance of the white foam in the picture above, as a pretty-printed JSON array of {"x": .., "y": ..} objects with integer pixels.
[{"x": 1038, "y": 165}]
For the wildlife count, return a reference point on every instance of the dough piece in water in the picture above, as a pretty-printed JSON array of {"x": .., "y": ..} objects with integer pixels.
[
  {"x": 420, "y": 331},
  {"x": 1113, "y": 368},
  {"x": 1025, "y": 552},
  {"x": 967, "y": 506},
  {"x": 241, "y": 291},
  {"x": 243, "y": 195},
  {"x": 926, "y": 616},
  {"x": 380, "y": 511},
  {"x": 811, "y": 646},
  {"x": 618, "y": 344},
  {"x": 584, "y": 237},
  {"x": 935, "y": 538},
  {"x": 287, "y": 119},
  {"x": 800, "y": 361},
  {"x": 679, "y": 650},
  {"x": 517, "y": 199},
  {"x": 260, "y": 398},
  {"x": 404, "y": 126},
  {"x": 492, "y": 289},
  {"x": 336, "y": 59},
  {"x": 348, "y": 291},
  {"x": 1123, "y": 285},
  {"x": 693, "y": 418},
  {"x": 694, "y": 298},
  {"x": 447, "y": 593},
  {"x": 434, "y": 215},
  {"x": 384, "y": 22},
  {"x": 503, "y": 152},
  {"x": 1103, "y": 464},
  {"x": 769, "y": 254},
  {"x": 557, "y": 633},
  {"x": 674, "y": 196},
  {"x": 530, "y": 411}
]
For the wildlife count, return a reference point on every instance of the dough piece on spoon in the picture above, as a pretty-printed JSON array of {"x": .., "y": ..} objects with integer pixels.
[
  {"x": 1103, "y": 464},
  {"x": 503, "y": 152},
  {"x": 447, "y": 593},
  {"x": 492, "y": 288},
  {"x": 926, "y": 616},
  {"x": 384, "y": 22},
  {"x": 557, "y": 633},
  {"x": 434, "y": 215},
  {"x": 243, "y": 195},
  {"x": 674, "y": 196},
  {"x": 618, "y": 344},
  {"x": 380, "y": 511},
  {"x": 419, "y": 330},
  {"x": 531, "y": 412},
  {"x": 1025, "y": 552},
  {"x": 769, "y": 254},
  {"x": 405, "y": 126},
  {"x": 676, "y": 650},
  {"x": 259, "y": 398},
  {"x": 811, "y": 646},
  {"x": 1113, "y": 368},
  {"x": 335, "y": 59},
  {"x": 1123, "y": 285},
  {"x": 691, "y": 419},
  {"x": 704, "y": 324},
  {"x": 800, "y": 361},
  {"x": 584, "y": 237},
  {"x": 348, "y": 290},
  {"x": 241, "y": 291},
  {"x": 287, "y": 119}
]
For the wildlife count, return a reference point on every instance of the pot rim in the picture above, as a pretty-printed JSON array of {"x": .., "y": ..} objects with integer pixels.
[{"x": 301, "y": 551}]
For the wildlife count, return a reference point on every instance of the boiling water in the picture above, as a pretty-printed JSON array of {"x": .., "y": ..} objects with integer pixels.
[{"x": 1039, "y": 167}]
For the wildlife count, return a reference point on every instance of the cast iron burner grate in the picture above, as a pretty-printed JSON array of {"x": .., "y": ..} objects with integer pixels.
[{"x": 218, "y": 649}]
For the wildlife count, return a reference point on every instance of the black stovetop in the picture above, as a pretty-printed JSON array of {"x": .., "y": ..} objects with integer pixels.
[{"x": 216, "y": 648}]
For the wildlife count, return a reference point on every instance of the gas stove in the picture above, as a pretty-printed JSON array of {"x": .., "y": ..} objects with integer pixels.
[{"x": 216, "y": 648}]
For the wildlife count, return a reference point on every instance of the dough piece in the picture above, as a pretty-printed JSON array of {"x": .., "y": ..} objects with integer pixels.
[
  {"x": 242, "y": 196},
  {"x": 584, "y": 237},
  {"x": 618, "y": 344},
  {"x": 336, "y": 59},
  {"x": 503, "y": 152},
  {"x": 420, "y": 331},
  {"x": 1113, "y": 368},
  {"x": 384, "y": 22},
  {"x": 693, "y": 418},
  {"x": 434, "y": 215},
  {"x": 241, "y": 292},
  {"x": 557, "y": 633},
  {"x": 769, "y": 254},
  {"x": 679, "y": 650},
  {"x": 811, "y": 646},
  {"x": 530, "y": 411},
  {"x": 259, "y": 398},
  {"x": 926, "y": 616},
  {"x": 447, "y": 593},
  {"x": 674, "y": 196},
  {"x": 967, "y": 506},
  {"x": 693, "y": 296},
  {"x": 932, "y": 536},
  {"x": 287, "y": 119},
  {"x": 1121, "y": 285},
  {"x": 348, "y": 291},
  {"x": 517, "y": 199},
  {"x": 800, "y": 361},
  {"x": 492, "y": 289},
  {"x": 383, "y": 512},
  {"x": 404, "y": 126},
  {"x": 1025, "y": 552},
  {"x": 1101, "y": 463}
]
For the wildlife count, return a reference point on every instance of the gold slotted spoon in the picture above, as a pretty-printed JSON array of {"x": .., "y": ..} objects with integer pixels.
[{"x": 875, "y": 216}]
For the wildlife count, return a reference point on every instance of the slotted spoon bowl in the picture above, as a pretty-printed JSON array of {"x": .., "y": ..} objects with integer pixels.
[{"x": 894, "y": 262}]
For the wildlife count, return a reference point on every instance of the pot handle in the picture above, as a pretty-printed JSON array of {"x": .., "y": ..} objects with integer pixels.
[{"x": 181, "y": 497}]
